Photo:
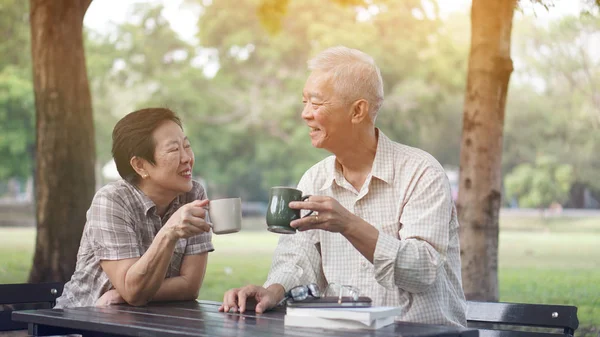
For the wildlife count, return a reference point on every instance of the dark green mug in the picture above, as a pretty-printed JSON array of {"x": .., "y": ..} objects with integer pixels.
[{"x": 279, "y": 214}]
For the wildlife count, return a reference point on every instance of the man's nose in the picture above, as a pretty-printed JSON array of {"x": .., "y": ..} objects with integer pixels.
[{"x": 306, "y": 113}]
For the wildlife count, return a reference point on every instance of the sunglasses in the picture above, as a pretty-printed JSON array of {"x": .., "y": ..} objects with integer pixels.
[{"x": 302, "y": 292}]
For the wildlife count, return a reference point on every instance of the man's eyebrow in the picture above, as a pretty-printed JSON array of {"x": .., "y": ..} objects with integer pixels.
[{"x": 315, "y": 95}]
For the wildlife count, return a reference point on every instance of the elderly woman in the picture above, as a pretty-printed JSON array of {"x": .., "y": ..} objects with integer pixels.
[{"x": 146, "y": 237}]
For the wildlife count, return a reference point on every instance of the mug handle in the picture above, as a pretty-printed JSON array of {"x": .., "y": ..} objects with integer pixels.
[{"x": 303, "y": 199}]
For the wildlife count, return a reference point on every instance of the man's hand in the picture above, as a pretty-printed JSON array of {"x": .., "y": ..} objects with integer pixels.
[
  {"x": 187, "y": 221},
  {"x": 110, "y": 297},
  {"x": 262, "y": 299},
  {"x": 332, "y": 216}
]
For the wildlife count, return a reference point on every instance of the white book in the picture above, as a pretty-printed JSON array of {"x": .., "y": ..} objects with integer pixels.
[
  {"x": 365, "y": 315},
  {"x": 331, "y": 323}
]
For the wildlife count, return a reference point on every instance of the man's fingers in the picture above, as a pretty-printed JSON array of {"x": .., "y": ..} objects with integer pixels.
[
  {"x": 261, "y": 306},
  {"x": 230, "y": 300},
  {"x": 246, "y": 294},
  {"x": 308, "y": 205},
  {"x": 309, "y": 222},
  {"x": 242, "y": 296}
]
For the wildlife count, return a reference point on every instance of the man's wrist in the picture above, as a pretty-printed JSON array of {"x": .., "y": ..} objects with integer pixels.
[
  {"x": 353, "y": 227},
  {"x": 278, "y": 291}
]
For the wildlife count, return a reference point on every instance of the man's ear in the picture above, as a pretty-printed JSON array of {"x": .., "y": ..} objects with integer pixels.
[
  {"x": 360, "y": 111},
  {"x": 139, "y": 165}
]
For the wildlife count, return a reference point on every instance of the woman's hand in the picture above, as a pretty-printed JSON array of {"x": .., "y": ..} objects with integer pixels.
[
  {"x": 110, "y": 297},
  {"x": 332, "y": 216},
  {"x": 187, "y": 221}
]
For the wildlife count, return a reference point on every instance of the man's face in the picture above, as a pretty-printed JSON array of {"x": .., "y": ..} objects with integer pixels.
[{"x": 325, "y": 112}]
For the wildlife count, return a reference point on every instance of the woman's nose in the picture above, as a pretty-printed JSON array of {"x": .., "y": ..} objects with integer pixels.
[{"x": 186, "y": 157}]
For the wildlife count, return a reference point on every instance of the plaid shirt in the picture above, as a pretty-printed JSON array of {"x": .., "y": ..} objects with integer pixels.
[
  {"x": 121, "y": 224},
  {"x": 416, "y": 264}
]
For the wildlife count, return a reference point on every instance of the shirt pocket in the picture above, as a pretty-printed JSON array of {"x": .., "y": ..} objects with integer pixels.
[{"x": 177, "y": 258}]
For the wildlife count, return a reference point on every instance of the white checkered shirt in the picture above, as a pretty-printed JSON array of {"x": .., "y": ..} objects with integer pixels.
[
  {"x": 416, "y": 264},
  {"x": 121, "y": 224}
]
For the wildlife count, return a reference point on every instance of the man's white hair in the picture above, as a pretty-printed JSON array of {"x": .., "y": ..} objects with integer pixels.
[{"x": 354, "y": 73}]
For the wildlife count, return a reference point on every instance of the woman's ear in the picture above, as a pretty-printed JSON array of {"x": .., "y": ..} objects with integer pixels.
[
  {"x": 139, "y": 165},
  {"x": 360, "y": 111}
]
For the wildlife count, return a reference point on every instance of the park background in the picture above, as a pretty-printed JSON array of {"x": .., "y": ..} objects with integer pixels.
[{"x": 238, "y": 87}]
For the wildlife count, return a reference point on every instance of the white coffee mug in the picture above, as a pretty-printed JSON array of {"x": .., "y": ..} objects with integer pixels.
[{"x": 225, "y": 215}]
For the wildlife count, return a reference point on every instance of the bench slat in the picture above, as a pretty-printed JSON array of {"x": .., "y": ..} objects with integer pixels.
[
  {"x": 562, "y": 317},
  {"x": 513, "y": 333},
  {"x": 30, "y": 292}
]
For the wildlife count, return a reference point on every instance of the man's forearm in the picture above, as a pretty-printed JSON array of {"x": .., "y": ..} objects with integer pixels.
[
  {"x": 363, "y": 237},
  {"x": 145, "y": 277}
]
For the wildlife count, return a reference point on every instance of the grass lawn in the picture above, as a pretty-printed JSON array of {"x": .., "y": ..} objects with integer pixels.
[{"x": 540, "y": 266}]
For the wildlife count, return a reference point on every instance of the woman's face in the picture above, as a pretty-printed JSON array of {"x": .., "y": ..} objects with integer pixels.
[{"x": 174, "y": 160}]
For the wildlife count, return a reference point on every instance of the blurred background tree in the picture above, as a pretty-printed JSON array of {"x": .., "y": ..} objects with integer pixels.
[
  {"x": 238, "y": 87},
  {"x": 541, "y": 184}
]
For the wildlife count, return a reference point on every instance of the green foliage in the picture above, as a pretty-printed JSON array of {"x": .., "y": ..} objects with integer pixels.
[
  {"x": 270, "y": 13},
  {"x": 17, "y": 124},
  {"x": 244, "y": 122},
  {"x": 262, "y": 75},
  {"x": 15, "y": 48},
  {"x": 17, "y": 105},
  {"x": 541, "y": 184},
  {"x": 553, "y": 106}
]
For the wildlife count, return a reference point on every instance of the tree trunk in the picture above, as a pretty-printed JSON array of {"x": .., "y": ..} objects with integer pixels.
[
  {"x": 65, "y": 151},
  {"x": 479, "y": 193}
]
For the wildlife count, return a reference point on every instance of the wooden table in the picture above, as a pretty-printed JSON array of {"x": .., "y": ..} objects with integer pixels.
[{"x": 197, "y": 319}]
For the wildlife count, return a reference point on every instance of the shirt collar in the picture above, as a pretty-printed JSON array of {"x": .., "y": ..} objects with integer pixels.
[
  {"x": 147, "y": 203},
  {"x": 383, "y": 165},
  {"x": 379, "y": 170},
  {"x": 330, "y": 172}
]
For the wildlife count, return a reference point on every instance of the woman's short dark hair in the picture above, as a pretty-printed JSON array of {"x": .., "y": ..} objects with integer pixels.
[{"x": 132, "y": 137}]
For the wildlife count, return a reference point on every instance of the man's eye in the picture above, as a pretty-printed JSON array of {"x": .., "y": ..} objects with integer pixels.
[{"x": 187, "y": 146}]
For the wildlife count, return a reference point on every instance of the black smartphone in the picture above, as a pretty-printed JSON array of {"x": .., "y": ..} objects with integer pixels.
[{"x": 331, "y": 302}]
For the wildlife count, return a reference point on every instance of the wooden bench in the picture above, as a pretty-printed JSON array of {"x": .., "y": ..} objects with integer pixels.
[
  {"x": 25, "y": 296},
  {"x": 513, "y": 315}
]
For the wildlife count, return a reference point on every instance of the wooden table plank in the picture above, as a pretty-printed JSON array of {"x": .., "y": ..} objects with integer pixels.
[{"x": 203, "y": 319}]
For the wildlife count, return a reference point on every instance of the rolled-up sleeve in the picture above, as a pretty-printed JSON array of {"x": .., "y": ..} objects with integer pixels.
[
  {"x": 111, "y": 229},
  {"x": 414, "y": 261},
  {"x": 200, "y": 243},
  {"x": 296, "y": 260}
]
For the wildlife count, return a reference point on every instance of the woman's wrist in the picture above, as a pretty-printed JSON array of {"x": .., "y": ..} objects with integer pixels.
[{"x": 167, "y": 233}]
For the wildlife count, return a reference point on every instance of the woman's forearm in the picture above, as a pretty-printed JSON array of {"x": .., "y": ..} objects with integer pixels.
[
  {"x": 145, "y": 277},
  {"x": 176, "y": 289}
]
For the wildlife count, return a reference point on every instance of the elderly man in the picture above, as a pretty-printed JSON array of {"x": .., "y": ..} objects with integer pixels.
[{"x": 385, "y": 224}]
